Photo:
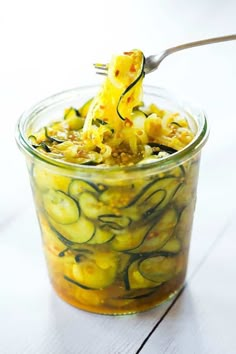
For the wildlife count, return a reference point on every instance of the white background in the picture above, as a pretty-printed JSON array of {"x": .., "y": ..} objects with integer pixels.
[{"x": 49, "y": 46}]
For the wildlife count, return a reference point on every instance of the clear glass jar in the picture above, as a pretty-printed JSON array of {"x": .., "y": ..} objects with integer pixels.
[{"x": 116, "y": 239}]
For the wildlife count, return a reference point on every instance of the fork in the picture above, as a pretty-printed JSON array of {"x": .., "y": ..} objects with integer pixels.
[{"x": 153, "y": 61}]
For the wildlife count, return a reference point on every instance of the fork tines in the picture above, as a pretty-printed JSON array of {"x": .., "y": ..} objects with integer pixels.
[{"x": 101, "y": 69}]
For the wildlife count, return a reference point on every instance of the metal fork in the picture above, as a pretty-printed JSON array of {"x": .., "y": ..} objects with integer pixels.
[{"x": 153, "y": 61}]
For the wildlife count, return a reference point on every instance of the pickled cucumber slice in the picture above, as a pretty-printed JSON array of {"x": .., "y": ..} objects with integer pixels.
[
  {"x": 156, "y": 195},
  {"x": 77, "y": 283},
  {"x": 45, "y": 179},
  {"x": 158, "y": 235},
  {"x": 120, "y": 196},
  {"x": 79, "y": 232},
  {"x": 92, "y": 207},
  {"x": 168, "y": 184},
  {"x": 92, "y": 275},
  {"x": 158, "y": 269},
  {"x": 130, "y": 239},
  {"x": 134, "y": 89},
  {"x": 73, "y": 118},
  {"x": 153, "y": 201},
  {"x": 79, "y": 186},
  {"x": 115, "y": 222},
  {"x": 102, "y": 235},
  {"x": 60, "y": 207},
  {"x": 85, "y": 108},
  {"x": 172, "y": 246},
  {"x": 184, "y": 228},
  {"x": 135, "y": 280}
]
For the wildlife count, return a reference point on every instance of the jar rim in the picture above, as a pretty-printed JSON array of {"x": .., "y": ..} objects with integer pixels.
[{"x": 162, "y": 164}]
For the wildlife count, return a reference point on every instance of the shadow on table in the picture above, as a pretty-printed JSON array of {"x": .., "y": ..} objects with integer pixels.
[{"x": 77, "y": 331}]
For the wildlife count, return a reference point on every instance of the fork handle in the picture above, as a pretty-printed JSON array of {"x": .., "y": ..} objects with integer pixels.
[{"x": 199, "y": 43}]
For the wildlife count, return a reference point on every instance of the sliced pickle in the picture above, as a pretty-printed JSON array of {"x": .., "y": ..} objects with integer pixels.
[
  {"x": 155, "y": 196},
  {"x": 158, "y": 235},
  {"x": 45, "y": 179},
  {"x": 130, "y": 239},
  {"x": 120, "y": 196},
  {"x": 102, "y": 235},
  {"x": 97, "y": 273},
  {"x": 92, "y": 207},
  {"x": 78, "y": 186},
  {"x": 60, "y": 207},
  {"x": 136, "y": 280},
  {"x": 79, "y": 232},
  {"x": 158, "y": 269},
  {"x": 116, "y": 222},
  {"x": 172, "y": 246}
]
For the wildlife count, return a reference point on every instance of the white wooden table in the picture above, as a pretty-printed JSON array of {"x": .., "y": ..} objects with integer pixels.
[{"x": 49, "y": 46}]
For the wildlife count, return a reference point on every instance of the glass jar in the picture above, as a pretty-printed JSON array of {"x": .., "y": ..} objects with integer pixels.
[{"x": 116, "y": 239}]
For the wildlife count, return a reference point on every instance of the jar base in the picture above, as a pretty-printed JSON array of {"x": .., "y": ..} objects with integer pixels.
[{"x": 117, "y": 307}]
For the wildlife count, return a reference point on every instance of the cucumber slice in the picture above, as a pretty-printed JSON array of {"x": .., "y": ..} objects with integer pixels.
[
  {"x": 167, "y": 184},
  {"x": 156, "y": 195},
  {"x": 158, "y": 269},
  {"x": 85, "y": 108},
  {"x": 73, "y": 118},
  {"x": 88, "y": 274},
  {"x": 188, "y": 192},
  {"x": 33, "y": 140},
  {"x": 79, "y": 186},
  {"x": 158, "y": 235},
  {"x": 102, "y": 235},
  {"x": 77, "y": 283},
  {"x": 91, "y": 206},
  {"x": 130, "y": 239},
  {"x": 45, "y": 179},
  {"x": 184, "y": 228},
  {"x": 71, "y": 112},
  {"x": 172, "y": 246},
  {"x": 50, "y": 138},
  {"x": 79, "y": 232},
  {"x": 120, "y": 196},
  {"x": 123, "y": 96},
  {"x": 60, "y": 207},
  {"x": 152, "y": 202},
  {"x": 178, "y": 172},
  {"x": 115, "y": 222},
  {"x": 135, "y": 280}
]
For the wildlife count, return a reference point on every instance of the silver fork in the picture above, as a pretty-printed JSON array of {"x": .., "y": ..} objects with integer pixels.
[{"x": 153, "y": 61}]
